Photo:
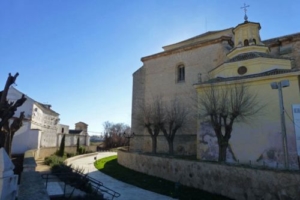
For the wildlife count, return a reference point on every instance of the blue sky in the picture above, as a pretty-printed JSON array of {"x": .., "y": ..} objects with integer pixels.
[{"x": 79, "y": 56}]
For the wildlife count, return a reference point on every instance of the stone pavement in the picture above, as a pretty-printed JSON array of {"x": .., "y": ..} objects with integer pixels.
[{"x": 128, "y": 192}]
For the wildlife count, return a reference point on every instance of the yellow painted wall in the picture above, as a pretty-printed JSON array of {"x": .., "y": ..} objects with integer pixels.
[
  {"x": 260, "y": 136},
  {"x": 254, "y": 66},
  {"x": 246, "y": 31}
]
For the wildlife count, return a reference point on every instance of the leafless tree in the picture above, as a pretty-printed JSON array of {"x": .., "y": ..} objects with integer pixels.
[
  {"x": 224, "y": 105},
  {"x": 113, "y": 136},
  {"x": 177, "y": 116},
  {"x": 151, "y": 116},
  {"x": 167, "y": 117},
  {"x": 7, "y": 111}
]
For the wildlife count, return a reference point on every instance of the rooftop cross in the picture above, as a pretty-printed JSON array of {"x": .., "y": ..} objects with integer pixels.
[{"x": 245, "y": 9}]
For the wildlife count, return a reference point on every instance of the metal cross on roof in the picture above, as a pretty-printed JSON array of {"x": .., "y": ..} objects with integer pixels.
[{"x": 245, "y": 9}]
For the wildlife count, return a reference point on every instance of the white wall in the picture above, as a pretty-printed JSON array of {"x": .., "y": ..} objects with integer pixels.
[
  {"x": 39, "y": 131},
  {"x": 25, "y": 140},
  {"x": 61, "y": 128}
]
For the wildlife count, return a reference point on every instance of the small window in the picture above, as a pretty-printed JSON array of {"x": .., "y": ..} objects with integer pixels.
[
  {"x": 242, "y": 70},
  {"x": 254, "y": 41},
  {"x": 180, "y": 73},
  {"x": 246, "y": 42},
  {"x": 62, "y": 130}
]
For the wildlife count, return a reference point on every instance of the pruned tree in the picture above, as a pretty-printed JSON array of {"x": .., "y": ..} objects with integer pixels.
[
  {"x": 177, "y": 117},
  {"x": 151, "y": 116},
  {"x": 225, "y": 105},
  {"x": 166, "y": 117},
  {"x": 7, "y": 111}
]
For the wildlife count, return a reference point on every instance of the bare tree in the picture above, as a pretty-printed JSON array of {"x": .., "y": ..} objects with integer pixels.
[
  {"x": 7, "y": 111},
  {"x": 224, "y": 105},
  {"x": 176, "y": 117},
  {"x": 113, "y": 136},
  {"x": 167, "y": 117},
  {"x": 151, "y": 117}
]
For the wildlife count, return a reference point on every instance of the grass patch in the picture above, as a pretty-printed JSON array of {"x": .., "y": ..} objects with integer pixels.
[{"x": 110, "y": 166}]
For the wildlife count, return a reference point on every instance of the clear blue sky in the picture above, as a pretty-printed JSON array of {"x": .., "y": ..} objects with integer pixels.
[{"x": 79, "y": 56}]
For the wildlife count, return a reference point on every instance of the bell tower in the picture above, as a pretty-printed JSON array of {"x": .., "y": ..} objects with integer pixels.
[{"x": 247, "y": 38}]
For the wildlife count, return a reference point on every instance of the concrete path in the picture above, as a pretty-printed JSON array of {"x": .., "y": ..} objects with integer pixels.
[{"x": 128, "y": 192}]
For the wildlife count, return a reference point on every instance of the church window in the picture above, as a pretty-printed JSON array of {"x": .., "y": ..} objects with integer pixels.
[
  {"x": 254, "y": 40},
  {"x": 242, "y": 70},
  {"x": 180, "y": 73},
  {"x": 246, "y": 42}
]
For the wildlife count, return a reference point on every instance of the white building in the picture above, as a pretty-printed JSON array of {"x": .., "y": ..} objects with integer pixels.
[
  {"x": 41, "y": 129},
  {"x": 80, "y": 131}
]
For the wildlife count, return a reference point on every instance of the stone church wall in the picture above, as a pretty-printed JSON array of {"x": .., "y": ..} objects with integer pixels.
[
  {"x": 286, "y": 46},
  {"x": 138, "y": 99},
  {"x": 158, "y": 77}
]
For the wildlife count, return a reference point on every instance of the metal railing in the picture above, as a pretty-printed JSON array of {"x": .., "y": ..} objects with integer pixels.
[{"x": 80, "y": 181}]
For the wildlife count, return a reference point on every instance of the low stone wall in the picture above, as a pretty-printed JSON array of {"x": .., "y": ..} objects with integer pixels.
[
  {"x": 44, "y": 152},
  {"x": 236, "y": 182}
]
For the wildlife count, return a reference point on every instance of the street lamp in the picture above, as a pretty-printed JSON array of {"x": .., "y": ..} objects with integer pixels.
[
  {"x": 279, "y": 86},
  {"x": 128, "y": 136}
]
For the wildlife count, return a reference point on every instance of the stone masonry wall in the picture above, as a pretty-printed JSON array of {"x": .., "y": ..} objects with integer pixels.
[
  {"x": 158, "y": 77},
  {"x": 183, "y": 144},
  {"x": 232, "y": 181}
]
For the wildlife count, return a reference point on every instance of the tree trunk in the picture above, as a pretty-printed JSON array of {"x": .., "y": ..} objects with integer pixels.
[
  {"x": 154, "y": 144},
  {"x": 171, "y": 147},
  {"x": 2, "y": 138},
  {"x": 222, "y": 151},
  {"x": 8, "y": 144}
]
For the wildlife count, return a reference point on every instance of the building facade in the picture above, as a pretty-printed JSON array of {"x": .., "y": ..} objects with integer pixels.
[
  {"x": 179, "y": 69},
  {"x": 41, "y": 128}
]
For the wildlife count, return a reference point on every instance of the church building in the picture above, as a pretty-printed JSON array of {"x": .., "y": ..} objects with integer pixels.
[{"x": 227, "y": 57}]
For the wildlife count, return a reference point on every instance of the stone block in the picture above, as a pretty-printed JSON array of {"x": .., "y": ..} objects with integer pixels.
[{"x": 8, "y": 180}]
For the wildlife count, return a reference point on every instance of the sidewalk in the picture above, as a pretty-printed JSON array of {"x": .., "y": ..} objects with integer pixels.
[{"x": 128, "y": 192}]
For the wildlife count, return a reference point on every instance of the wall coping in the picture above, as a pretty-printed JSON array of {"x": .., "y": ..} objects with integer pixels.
[{"x": 240, "y": 165}]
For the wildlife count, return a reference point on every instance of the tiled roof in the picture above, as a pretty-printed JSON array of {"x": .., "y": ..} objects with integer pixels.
[
  {"x": 251, "y": 55},
  {"x": 272, "y": 40},
  {"x": 235, "y": 78},
  {"x": 46, "y": 109}
]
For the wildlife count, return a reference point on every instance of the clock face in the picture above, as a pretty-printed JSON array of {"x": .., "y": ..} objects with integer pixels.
[{"x": 242, "y": 70}]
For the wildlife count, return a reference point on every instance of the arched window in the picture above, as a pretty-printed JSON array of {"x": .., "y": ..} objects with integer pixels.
[
  {"x": 246, "y": 42},
  {"x": 180, "y": 73}
]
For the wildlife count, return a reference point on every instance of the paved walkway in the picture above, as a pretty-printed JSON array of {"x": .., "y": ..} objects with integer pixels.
[{"x": 128, "y": 192}]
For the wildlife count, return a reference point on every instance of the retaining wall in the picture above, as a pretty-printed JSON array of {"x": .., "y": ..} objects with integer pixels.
[
  {"x": 44, "y": 152},
  {"x": 237, "y": 182}
]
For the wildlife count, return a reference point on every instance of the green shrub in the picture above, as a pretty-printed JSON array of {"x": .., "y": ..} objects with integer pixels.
[
  {"x": 69, "y": 155},
  {"x": 81, "y": 150},
  {"x": 54, "y": 160}
]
